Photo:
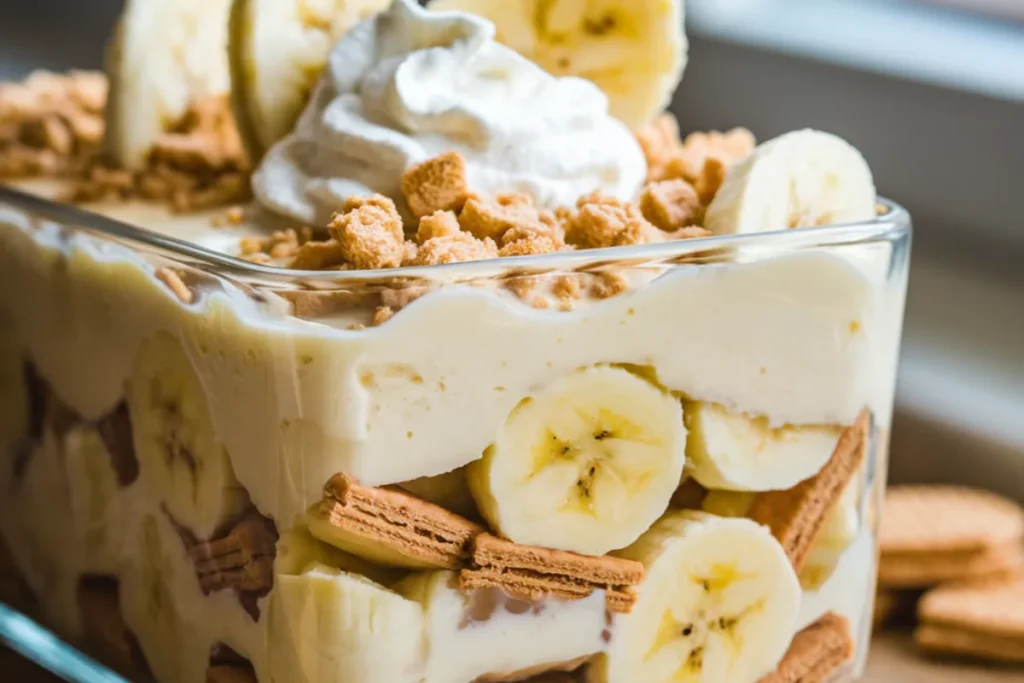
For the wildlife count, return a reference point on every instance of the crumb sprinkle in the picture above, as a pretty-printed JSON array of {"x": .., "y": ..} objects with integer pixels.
[{"x": 176, "y": 284}]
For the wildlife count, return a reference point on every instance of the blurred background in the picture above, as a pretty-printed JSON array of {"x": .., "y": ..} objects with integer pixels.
[{"x": 932, "y": 91}]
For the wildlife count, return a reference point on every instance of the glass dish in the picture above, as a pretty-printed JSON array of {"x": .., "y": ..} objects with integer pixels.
[{"x": 256, "y": 385}]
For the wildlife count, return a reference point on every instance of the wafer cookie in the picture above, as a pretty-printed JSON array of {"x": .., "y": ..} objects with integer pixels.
[
  {"x": 922, "y": 569},
  {"x": 933, "y": 534},
  {"x": 242, "y": 560},
  {"x": 983, "y": 619},
  {"x": 796, "y": 515},
  {"x": 816, "y": 652},
  {"x": 532, "y": 573},
  {"x": 390, "y": 526},
  {"x": 933, "y": 518}
]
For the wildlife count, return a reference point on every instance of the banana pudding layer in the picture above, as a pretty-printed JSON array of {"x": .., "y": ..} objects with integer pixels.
[{"x": 454, "y": 363}]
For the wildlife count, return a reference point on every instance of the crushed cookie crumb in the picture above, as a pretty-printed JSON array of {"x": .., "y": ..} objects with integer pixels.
[
  {"x": 659, "y": 139},
  {"x": 492, "y": 219},
  {"x": 382, "y": 315},
  {"x": 671, "y": 204},
  {"x": 711, "y": 177},
  {"x": 51, "y": 124},
  {"x": 668, "y": 157},
  {"x": 609, "y": 284},
  {"x": 603, "y": 221},
  {"x": 176, "y": 284},
  {"x": 567, "y": 287},
  {"x": 397, "y": 298},
  {"x": 198, "y": 163},
  {"x": 542, "y": 237},
  {"x": 437, "y": 184},
  {"x": 454, "y": 249},
  {"x": 688, "y": 233},
  {"x": 438, "y": 224},
  {"x": 318, "y": 256},
  {"x": 235, "y": 215},
  {"x": 370, "y": 233}
]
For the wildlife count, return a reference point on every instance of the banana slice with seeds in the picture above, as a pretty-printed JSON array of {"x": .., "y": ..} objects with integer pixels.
[
  {"x": 181, "y": 462},
  {"x": 277, "y": 50},
  {"x": 163, "y": 55},
  {"x": 586, "y": 465},
  {"x": 719, "y": 603},
  {"x": 634, "y": 51}
]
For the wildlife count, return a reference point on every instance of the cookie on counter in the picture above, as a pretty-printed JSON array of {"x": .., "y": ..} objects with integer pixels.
[
  {"x": 981, "y": 619},
  {"x": 934, "y": 534}
]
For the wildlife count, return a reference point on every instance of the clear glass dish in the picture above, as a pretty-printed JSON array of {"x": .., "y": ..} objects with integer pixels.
[{"x": 170, "y": 406}]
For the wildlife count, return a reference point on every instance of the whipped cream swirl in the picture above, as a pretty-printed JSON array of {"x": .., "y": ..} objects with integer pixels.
[{"x": 410, "y": 84}]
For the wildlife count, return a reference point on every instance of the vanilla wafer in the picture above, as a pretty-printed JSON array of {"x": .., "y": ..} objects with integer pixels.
[
  {"x": 921, "y": 569},
  {"x": 932, "y": 534},
  {"x": 531, "y": 573},
  {"x": 982, "y": 619},
  {"x": 242, "y": 560},
  {"x": 816, "y": 652},
  {"x": 796, "y": 515},
  {"x": 390, "y": 526}
]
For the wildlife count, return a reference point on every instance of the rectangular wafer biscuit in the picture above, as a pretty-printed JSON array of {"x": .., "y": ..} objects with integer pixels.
[
  {"x": 796, "y": 515},
  {"x": 396, "y": 521},
  {"x": 243, "y": 560},
  {"x": 532, "y": 573},
  {"x": 816, "y": 652}
]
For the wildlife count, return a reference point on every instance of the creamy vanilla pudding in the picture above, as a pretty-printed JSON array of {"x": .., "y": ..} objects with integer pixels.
[{"x": 486, "y": 382}]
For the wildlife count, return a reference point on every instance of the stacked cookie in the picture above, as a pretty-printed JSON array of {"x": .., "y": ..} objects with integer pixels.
[{"x": 962, "y": 551}]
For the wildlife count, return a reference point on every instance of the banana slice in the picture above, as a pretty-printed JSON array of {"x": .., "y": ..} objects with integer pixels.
[
  {"x": 163, "y": 55},
  {"x": 326, "y": 625},
  {"x": 801, "y": 179},
  {"x": 838, "y": 532},
  {"x": 161, "y": 603},
  {"x": 34, "y": 521},
  {"x": 719, "y": 603},
  {"x": 95, "y": 499},
  {"x": 486, "y": 635},
  {"x": 585, "y": 465},
  {"x": 277, "y": 50},
  {"x": 181, "y": 463},
  {"x": 634, "y": 51},
  {"x": 739, "y": 453},
  {"x": 298, "y": 549}
]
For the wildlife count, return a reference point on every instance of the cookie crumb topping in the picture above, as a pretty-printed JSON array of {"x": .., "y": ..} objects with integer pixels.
[
  {"x": 50, "y": 124},
  {"x": 197, "y": 164}
]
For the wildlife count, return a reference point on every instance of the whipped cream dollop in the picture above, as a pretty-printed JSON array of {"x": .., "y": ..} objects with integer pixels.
[{"x": 410, "y": 84}]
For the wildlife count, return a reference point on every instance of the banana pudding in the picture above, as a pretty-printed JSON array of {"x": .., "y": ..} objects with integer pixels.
[{"x": 415, "y": 344}]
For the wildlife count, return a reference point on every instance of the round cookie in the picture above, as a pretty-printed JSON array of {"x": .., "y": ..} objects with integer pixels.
[
  {"x": 932, "y": 518},
  {"x": 934, "y": 534},
  {"x": 980, "y": 619}
]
